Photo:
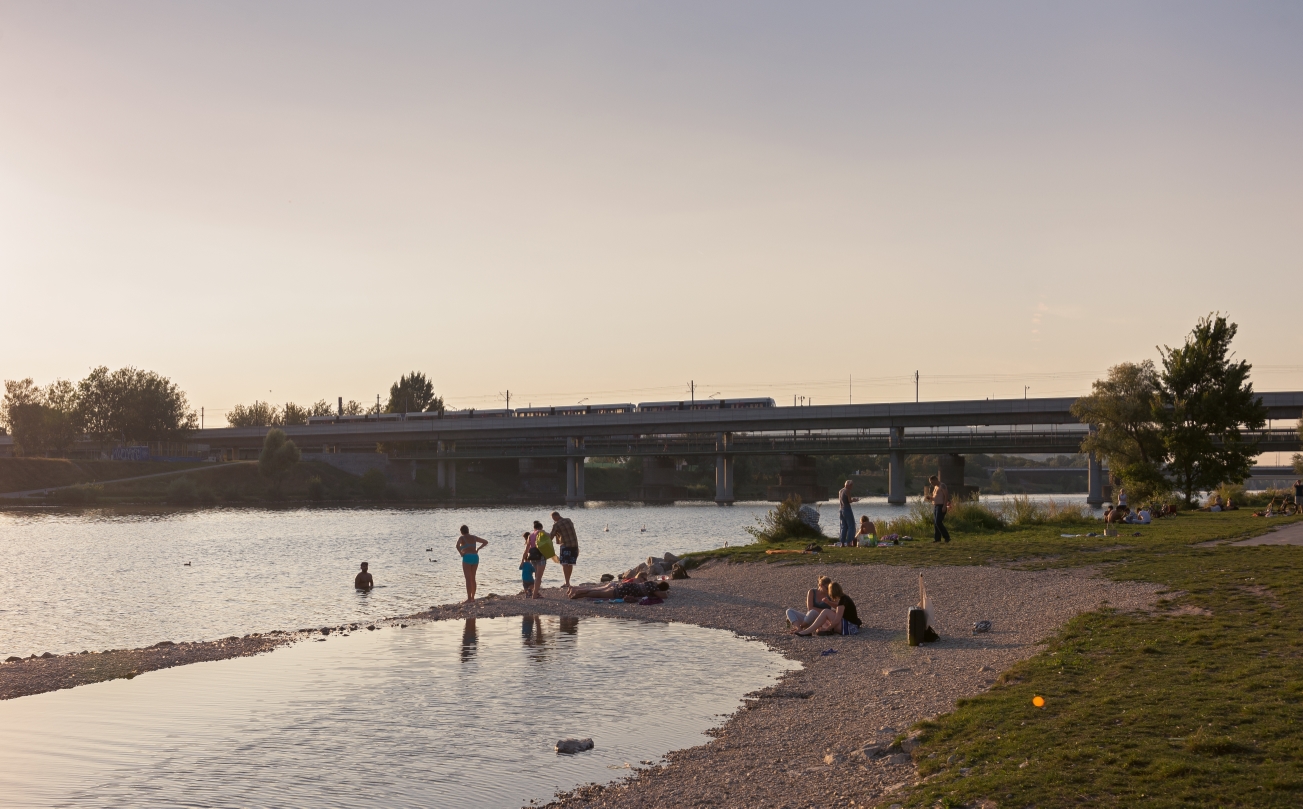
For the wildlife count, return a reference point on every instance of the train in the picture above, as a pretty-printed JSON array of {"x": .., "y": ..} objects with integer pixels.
[{"x": 564, "y": 410}]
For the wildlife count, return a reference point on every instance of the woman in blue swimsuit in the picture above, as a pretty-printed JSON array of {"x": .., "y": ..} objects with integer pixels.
[{"x": 469, "y": 545}]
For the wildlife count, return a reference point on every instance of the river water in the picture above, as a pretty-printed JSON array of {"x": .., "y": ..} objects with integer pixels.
[
  {"x": 447, "y": 713},
  {"x": 104, "y": 579}
]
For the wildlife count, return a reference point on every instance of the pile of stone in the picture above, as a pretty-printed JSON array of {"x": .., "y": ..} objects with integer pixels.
[{"x": 669, "y": 564}]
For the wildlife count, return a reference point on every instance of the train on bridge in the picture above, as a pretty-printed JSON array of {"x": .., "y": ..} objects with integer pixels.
[{"x": 564, "y": 410}]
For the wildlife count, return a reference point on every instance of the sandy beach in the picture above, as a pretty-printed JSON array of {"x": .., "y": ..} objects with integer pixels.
[{"x": 797, "y": 744}]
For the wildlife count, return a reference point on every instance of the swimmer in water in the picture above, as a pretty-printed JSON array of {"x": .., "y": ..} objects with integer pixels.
[
  {"x": 469, "y": 546},
  {"x": 363, "y": 580}
]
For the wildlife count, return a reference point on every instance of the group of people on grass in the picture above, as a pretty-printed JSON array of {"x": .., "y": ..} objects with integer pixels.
[
  {"x": 561, "y": 544},
  {"x": 936, "y": 493}
]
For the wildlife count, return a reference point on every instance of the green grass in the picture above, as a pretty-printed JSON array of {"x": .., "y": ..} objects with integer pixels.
[{"x": 1153, "y": 710}]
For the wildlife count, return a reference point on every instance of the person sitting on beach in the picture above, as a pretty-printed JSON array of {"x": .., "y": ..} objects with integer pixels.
[
  {"x": 842, "y": 619},
  {"x": 1144, "y": 517},
  {"x": 866, "y": 536},
  {"x": 620, "y": 590},
  {"x": 1113, "y": 519},
  {"x": 363, "y": 580},
  {"x": 817, "y": 599}
]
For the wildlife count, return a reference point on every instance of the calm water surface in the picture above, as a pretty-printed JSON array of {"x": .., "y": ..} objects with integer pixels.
[
  {"x": 97, "y": 580},
  {"x": 450, "y": 713}
]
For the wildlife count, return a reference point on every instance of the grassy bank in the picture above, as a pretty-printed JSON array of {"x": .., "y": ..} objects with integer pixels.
[
  {"x": 1198, "y": 704},
  {"x": 22, "y": 474}
]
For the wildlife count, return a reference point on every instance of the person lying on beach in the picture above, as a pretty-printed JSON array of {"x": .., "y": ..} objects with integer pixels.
[
  {"x": 840, "y": 620},
  {"x": 363, "y": 580},
  {"x": 625, "y": 590}
]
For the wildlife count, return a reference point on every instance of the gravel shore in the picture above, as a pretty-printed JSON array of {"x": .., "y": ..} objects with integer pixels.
[{"x": 795, "y": 744}]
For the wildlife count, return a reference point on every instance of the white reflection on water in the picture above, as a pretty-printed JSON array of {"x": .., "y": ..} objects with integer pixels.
[{"x": 452, "y": 713}]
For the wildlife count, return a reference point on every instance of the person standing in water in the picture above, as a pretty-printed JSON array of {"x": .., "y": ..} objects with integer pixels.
[
  {"x": 545, "y": 551},
  {"x": 363, "y": 580},
  {"x": 844, "y": 499},
  {"x": 469, "y": 546},
  {"x": 563, "y": 533}
]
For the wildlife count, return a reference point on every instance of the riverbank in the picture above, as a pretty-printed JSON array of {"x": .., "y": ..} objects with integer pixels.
[{"x": 773, "y": 752}]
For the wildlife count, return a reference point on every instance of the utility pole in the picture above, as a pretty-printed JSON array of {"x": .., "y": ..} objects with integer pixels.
[
  {"x": 916, "y": 387},
  {"x": 1025, "y": 388},
  {"x": 692, "y": 391},
  {"x": 201, "y": 418},
  {"x": 850, "y": 390}
]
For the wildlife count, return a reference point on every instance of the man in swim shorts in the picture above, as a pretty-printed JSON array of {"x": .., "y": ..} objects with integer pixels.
[
  {"x": 363, "y": 580},
  {"x": 563, "y": 534}
]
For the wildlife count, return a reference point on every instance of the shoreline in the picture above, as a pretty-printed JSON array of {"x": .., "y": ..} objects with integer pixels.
[{"x": 807, "y": 734}]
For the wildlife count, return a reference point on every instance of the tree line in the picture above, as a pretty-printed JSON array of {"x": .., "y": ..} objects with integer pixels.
[
  {"x": 127, "y": 405},
  {"x": 1177, "y": 426},
  {"x": 412, "y": 393}
]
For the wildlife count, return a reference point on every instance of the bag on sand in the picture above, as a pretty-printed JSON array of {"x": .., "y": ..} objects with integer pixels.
[{"x": 916, "y": 626}]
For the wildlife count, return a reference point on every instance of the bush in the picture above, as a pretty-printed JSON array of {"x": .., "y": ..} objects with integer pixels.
[
  {"x": 373, "y": 484},
  {"x": 316, "y": 489},
  {"x": 784, "y": 522},
  {"x": 182, "y": 492},
  {"x": 77, "y": 495}
]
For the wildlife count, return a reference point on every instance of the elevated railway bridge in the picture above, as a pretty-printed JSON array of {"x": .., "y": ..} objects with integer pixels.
[{"x": 947, "y": 429}]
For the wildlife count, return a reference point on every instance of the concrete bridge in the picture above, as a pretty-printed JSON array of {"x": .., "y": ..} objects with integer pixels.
[{"x": 949, "y": 429}]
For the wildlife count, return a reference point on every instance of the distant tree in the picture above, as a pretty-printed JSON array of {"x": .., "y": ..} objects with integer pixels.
[
  {"x": 354, "y": 408},
  {"x": 43, "y": 421},
  {"x": 999, "y": 480},
  {"x": 413, "y": 393},
  {"x": 1126, "y": 433},
  {"x": 321, "y": 408},
  {"x": 133, "y": 405},
  {"x": 293, "y": 414},
  {"x": 258, "y": 414},
  {"x": 1204, "y": 402},
  {"x": 278, "y": 457}
]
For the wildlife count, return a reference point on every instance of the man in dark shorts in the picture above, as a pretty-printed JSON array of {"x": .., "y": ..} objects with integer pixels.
[
  {"x": 563, "y": 535},
  {"x": 363, "y": 580}
]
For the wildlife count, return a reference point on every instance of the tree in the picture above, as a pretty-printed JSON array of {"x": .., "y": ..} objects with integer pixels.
[
  {"x": 278, "y": 457},
  {"x": 413, "y": 393},
  {"x": 258, "y": 414},
  {"x": 133, "y": 405},
  {"x": 293, "y": 414},
  {"x": 1204, "y": 402},
  {"x": 354, "y": 408},
  {"x": 1125, "y": 432},
  {"x": 43, "y": 421},
  {"x": 321, "y": 408}
]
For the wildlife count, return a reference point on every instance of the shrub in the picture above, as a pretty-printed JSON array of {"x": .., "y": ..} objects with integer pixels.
[
  {"x": 316, "y": 489},
  {"x": 784, "y": 522},
  {"x": 77, "y": 495},
  {"x": 182, "y": 492},
  {"x": 373, "y": 484}
]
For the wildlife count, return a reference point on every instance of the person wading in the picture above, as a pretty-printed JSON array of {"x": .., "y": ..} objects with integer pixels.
[
  {"x": 469, "y": 545},
  {"x": 363, "y": 580},
  {"x": 844, "y": 499},
  {"x": 939, "y": 496},
  {"x": 563, "y": 534}
]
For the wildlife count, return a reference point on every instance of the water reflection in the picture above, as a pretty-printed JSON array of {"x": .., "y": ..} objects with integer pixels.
[
  {"x": 470, "y": 639},
  {"x": 569, "y": 625}
]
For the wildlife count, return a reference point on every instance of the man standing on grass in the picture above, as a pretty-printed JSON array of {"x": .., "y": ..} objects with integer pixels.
[
  {"x": 844, "y": 499},
  {"x": 563, "y": 534},
  {"x": 939, "y": 495}
]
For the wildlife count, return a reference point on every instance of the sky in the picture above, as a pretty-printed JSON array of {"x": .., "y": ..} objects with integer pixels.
[{"x": 606, "y": 202}]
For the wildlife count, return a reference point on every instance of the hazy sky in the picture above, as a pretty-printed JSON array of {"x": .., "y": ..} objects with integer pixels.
[{"x": 298, "y": 201}]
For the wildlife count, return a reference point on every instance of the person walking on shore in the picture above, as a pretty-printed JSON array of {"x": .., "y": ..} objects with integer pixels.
[
  {"x": 939, "y": 496},
  {"x": 469, "y": 546},
  {"x": 563, "y": 533},
  {"x": 844, "y": 499},
  {"x": 543, "y": 545}
]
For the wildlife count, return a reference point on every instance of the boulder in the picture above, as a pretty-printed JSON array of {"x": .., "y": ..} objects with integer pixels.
[
  {"x": 572, "y": 746},
  {"x": 670, "y": 558}
]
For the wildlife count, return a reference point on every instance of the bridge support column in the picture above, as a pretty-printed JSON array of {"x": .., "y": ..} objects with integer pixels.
[
  {"x": 950, "y": 468},
  {"x": 447, "y": 474},
  {"x": 574, "y": 471},
  {"x": 896, "y": 469},
  {"x": 1094, "y": 481},
  {"x": 724, "y": 469}
]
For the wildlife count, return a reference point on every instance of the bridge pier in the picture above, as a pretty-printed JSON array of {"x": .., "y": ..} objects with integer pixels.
[
  {"x": 1094, "y": 481},
  {"x": 447, "y": 475},
  {"x": 574, "y": 471},
  {"x": 896, "y": 469},
  {"x": 950, "y": 469},
  {"x": 724, "y": 463}
]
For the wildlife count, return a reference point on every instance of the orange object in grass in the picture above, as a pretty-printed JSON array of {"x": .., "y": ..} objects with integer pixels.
[{"x": 1038, "y": 701}]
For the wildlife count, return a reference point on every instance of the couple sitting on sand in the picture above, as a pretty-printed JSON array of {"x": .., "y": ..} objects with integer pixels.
[{"x": 828, "y": 611}]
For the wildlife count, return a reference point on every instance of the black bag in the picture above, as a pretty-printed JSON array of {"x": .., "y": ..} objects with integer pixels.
[
  {"x": 916, "y": 627},
  {"x": 930, "y": 635},
  {"x": 535, "y": 555}
]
